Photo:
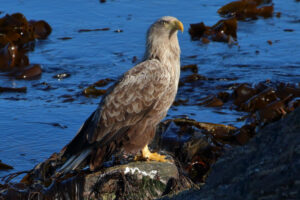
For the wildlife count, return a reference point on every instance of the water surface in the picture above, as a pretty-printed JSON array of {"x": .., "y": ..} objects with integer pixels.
[{"x": 36, "y": 124}]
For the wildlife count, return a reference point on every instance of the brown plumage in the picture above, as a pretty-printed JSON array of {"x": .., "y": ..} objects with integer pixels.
[{"x": 127, "y": 116}]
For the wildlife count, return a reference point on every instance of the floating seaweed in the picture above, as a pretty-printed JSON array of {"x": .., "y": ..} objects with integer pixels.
[
  {"x": 4, "y": 166},
  {"x": 93, "y": 91},
  {"x": 223, "y": 31},
  {"x": 96, "y": 29},
  {"x": 247, "y": 9},
  {"x": 9, "y": 89},
  {"x": 17, "y": 37},
  {"x": 192, "y": 67}
]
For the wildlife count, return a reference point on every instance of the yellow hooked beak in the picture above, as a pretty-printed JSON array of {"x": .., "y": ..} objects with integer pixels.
[{"x": 178, "y": 25}]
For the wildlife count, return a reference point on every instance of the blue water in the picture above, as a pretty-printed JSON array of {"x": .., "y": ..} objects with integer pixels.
[{"x": 27, "y": 135}]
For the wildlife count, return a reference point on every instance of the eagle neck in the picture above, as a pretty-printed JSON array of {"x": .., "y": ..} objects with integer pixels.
[{"x": 165, "y": 49}]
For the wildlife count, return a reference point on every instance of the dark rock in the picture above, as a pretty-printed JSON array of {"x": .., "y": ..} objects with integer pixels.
[
  {"x": 136, "y": 180},
  {"x": 266, "y": 168}
]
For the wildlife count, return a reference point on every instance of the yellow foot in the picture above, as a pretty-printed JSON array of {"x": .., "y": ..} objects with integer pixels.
[{"x": 147, "y": 155}]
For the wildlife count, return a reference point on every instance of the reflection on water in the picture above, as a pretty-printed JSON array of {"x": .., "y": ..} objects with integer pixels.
[{"x": 39, "y": 122}]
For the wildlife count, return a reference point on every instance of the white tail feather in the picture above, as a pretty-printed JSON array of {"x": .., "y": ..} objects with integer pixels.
[{"x": 73, "y": 162}]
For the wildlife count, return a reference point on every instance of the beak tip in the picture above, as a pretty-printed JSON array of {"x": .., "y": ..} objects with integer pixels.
[{"x": 179, "y": 25}]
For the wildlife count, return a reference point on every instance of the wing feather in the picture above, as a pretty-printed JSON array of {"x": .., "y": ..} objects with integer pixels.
[{"x": 130, "y": 99}]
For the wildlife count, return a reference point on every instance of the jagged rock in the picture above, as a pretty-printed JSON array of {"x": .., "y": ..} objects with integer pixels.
[
  {"x": 266, "y": 168},
  {"x": 135, "y": 180}
]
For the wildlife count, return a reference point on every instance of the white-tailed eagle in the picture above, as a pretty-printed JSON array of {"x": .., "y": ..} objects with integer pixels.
[{"x": 128, "y": 114}]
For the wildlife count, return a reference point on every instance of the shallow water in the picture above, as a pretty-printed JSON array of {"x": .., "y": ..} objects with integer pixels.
[{"x": 36, "y": 124}]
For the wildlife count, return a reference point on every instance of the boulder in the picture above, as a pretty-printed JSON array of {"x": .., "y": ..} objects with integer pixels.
[
  {"x": 135, "y": 180},
  {"x": 266, "y": 168}
]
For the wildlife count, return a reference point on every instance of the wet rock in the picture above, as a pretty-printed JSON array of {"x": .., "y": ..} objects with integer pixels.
[
  {"x": 265, "y": 168},
  {"x": 136, "y": 180}
]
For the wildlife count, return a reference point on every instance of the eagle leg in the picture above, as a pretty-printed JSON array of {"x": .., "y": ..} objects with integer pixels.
[{"x": 146, "y": 154}]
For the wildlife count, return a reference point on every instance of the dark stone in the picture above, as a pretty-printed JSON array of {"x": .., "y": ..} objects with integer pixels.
[
  {"x": 135, "y": 180},
  {"x": 266, "y": 168}
]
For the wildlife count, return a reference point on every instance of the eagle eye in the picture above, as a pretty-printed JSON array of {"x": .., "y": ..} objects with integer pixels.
[{"x": 164, "y": 22}]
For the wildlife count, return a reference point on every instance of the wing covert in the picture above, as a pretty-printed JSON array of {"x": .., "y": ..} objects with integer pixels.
[{"x": 130, "y": 99}]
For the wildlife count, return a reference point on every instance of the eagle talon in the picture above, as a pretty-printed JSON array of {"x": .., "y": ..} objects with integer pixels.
[
  {"x": 139, "y": 158},
  {"x": 147, "y": 155}
]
